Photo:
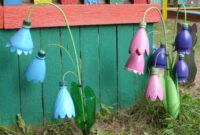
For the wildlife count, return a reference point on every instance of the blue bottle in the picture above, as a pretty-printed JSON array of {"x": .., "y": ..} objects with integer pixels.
[{"x": 12, "y": 2}]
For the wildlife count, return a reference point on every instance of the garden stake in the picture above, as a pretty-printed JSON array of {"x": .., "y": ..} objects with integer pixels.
[{"x": 84, "y": 99}]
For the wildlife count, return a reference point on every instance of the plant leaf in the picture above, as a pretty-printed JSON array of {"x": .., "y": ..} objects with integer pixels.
[
  {"x": 173, "y": 103},
  {"x": 164, "y": 102},
  {"x": 75, "y": 93},
  {"x": 90, "y": 106}
]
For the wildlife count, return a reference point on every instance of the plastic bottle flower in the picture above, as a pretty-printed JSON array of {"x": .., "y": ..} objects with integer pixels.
[
  {"x": 22, "y": 40},
  {"x": 140, "y": 41},
  {"x": 36, "y": 70},
  {"x": 64, "y": 106},
  {"x": 154, "y": 87},
  {"x": 158, "y": 59},
  {"x": 183, "y": 40},
  {"x": 135, "y": 63},
  {"x": 181, "y": 69}
]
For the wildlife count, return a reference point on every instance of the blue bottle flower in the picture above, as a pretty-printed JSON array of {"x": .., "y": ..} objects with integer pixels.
[
  {"x": 181, "y": 69},
  {"x": 158, "y": 59},
  {"x": 22, "y": 40},
  {"x": 36, "y": 70},
  {"x": 183, "y": 40},
  {"x": 64, "y": 106}
]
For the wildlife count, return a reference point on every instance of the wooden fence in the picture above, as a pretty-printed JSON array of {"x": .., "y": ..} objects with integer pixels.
[{"x": 103, "y": 51}]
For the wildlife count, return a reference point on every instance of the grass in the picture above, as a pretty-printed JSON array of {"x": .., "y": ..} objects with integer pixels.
[{"x": 143, "y": 118}]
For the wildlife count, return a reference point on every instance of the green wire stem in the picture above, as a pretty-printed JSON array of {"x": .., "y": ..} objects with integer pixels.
[
  {"x": 68, "y": 72},
  {"x": 176, "y": 20},
  {"x": 67, "y": 52},
  {"x": 163, "y": 22},
  {"x": 165, "y": 33},
  {"x": 175, "y": 29},
  {"x": 73, "y": 44}
]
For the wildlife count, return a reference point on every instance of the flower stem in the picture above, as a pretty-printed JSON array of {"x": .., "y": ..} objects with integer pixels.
[
  {"x": 165, "y": 33},
  {"x": 67, "y": 52},
  {"x": 73, "y": 44},
  {"x": 175, "y": 28},
  {"x": 68, "y": 72}
]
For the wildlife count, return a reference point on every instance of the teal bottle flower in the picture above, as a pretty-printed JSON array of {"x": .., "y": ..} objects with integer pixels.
[
  {"x": 22, "y": 40},
  {"x": 36, "y": 70},
  {"x": 64, "y": 106}
]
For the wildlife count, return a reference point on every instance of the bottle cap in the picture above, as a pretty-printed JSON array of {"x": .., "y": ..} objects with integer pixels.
[
  {"x": 27, "y": 23},
  {"x": 143, "y": 24},
  {"x": 185, "y": 25},
  {"x": 154, "y": 71},
  {"x": 41, "y": 53},
  {"x": 62, "y": 83}
]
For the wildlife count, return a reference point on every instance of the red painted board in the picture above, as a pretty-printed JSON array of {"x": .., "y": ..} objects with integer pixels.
[
  {"x": 68, "y": 1},
  {"x": 1, "y": 17},
  {"x": 139, "y": 1},
  {"x": 102, "y": 14}
]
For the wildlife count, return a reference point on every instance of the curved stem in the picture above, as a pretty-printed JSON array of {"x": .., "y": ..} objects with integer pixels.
[
  {"x": 157, "y": 58},
  {"x": 175, "y": 25},
  {"x": 68, "y": 72},
  {"x": 163, "y": 22},
  {"x": 176, "y": 20},
  {"x": 70, "y": 33},
  {"x": 185, "y": 13},
  {"x": 165, "y": 33},
  {"x": 175, "y": 28},
  {"x": 73, "y": 44},
  {"x": 70, "y": 57}
]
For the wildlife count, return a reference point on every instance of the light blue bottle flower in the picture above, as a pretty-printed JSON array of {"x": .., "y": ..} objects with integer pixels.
[
  {"x": 36, "y": 70},
  {"x": 64, "y": 106},
  {"x": 22, "y": 40}
]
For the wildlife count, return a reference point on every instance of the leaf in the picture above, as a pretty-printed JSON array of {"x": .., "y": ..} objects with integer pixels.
[
  {"x": 164, "y": 102},
  {"x": 76, "y": 96},
  {"x": 173, "y": 103},
  {"x": 89, "y": 110},
  {"x": 21, "y": 123},
  {"x": 90, "y": 106}
]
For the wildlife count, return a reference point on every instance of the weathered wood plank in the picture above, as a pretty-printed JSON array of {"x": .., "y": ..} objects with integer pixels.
[
  {"x": 9, "y": 86},
  {"x": 89, "y": 44},
  {"x": 31, "y": 92},
  {"x": 125, "y": 78},
  {"x": 79, "y": 15},
  {"x": 53, "y": 72},
  {"x": 108, "y": 70}
]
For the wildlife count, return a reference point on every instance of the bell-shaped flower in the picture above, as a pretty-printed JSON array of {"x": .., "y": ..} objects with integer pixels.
[
  {"x": 22, "y": 40},
  {"x": 140, "y": 41},
  {"x": 64, "y": 106},
  {"x": 154, "y": 87},
  {"x": 135, "y": 63},
  {"x": 158, "y": 59},
  {"x": 36, "y": 70},
  {"x": 183, "y": 41},
  {"x": 181, "y": 69}
]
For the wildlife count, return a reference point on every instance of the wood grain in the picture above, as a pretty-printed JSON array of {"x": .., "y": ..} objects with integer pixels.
[{"x": 46, "y": 16}]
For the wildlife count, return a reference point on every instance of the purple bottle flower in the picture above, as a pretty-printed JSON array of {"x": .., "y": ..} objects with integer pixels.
[
  {"x": 158, "y": 59},
  {"x": 181, "y": 69},
  {"x": 183, "y": 40}
]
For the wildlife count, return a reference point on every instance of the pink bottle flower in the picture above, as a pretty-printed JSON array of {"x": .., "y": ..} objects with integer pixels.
[
  {"x": 135, "y": 63},
  {"x": 154, "y": 87},
  {"x": 140, "y": 41}
]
